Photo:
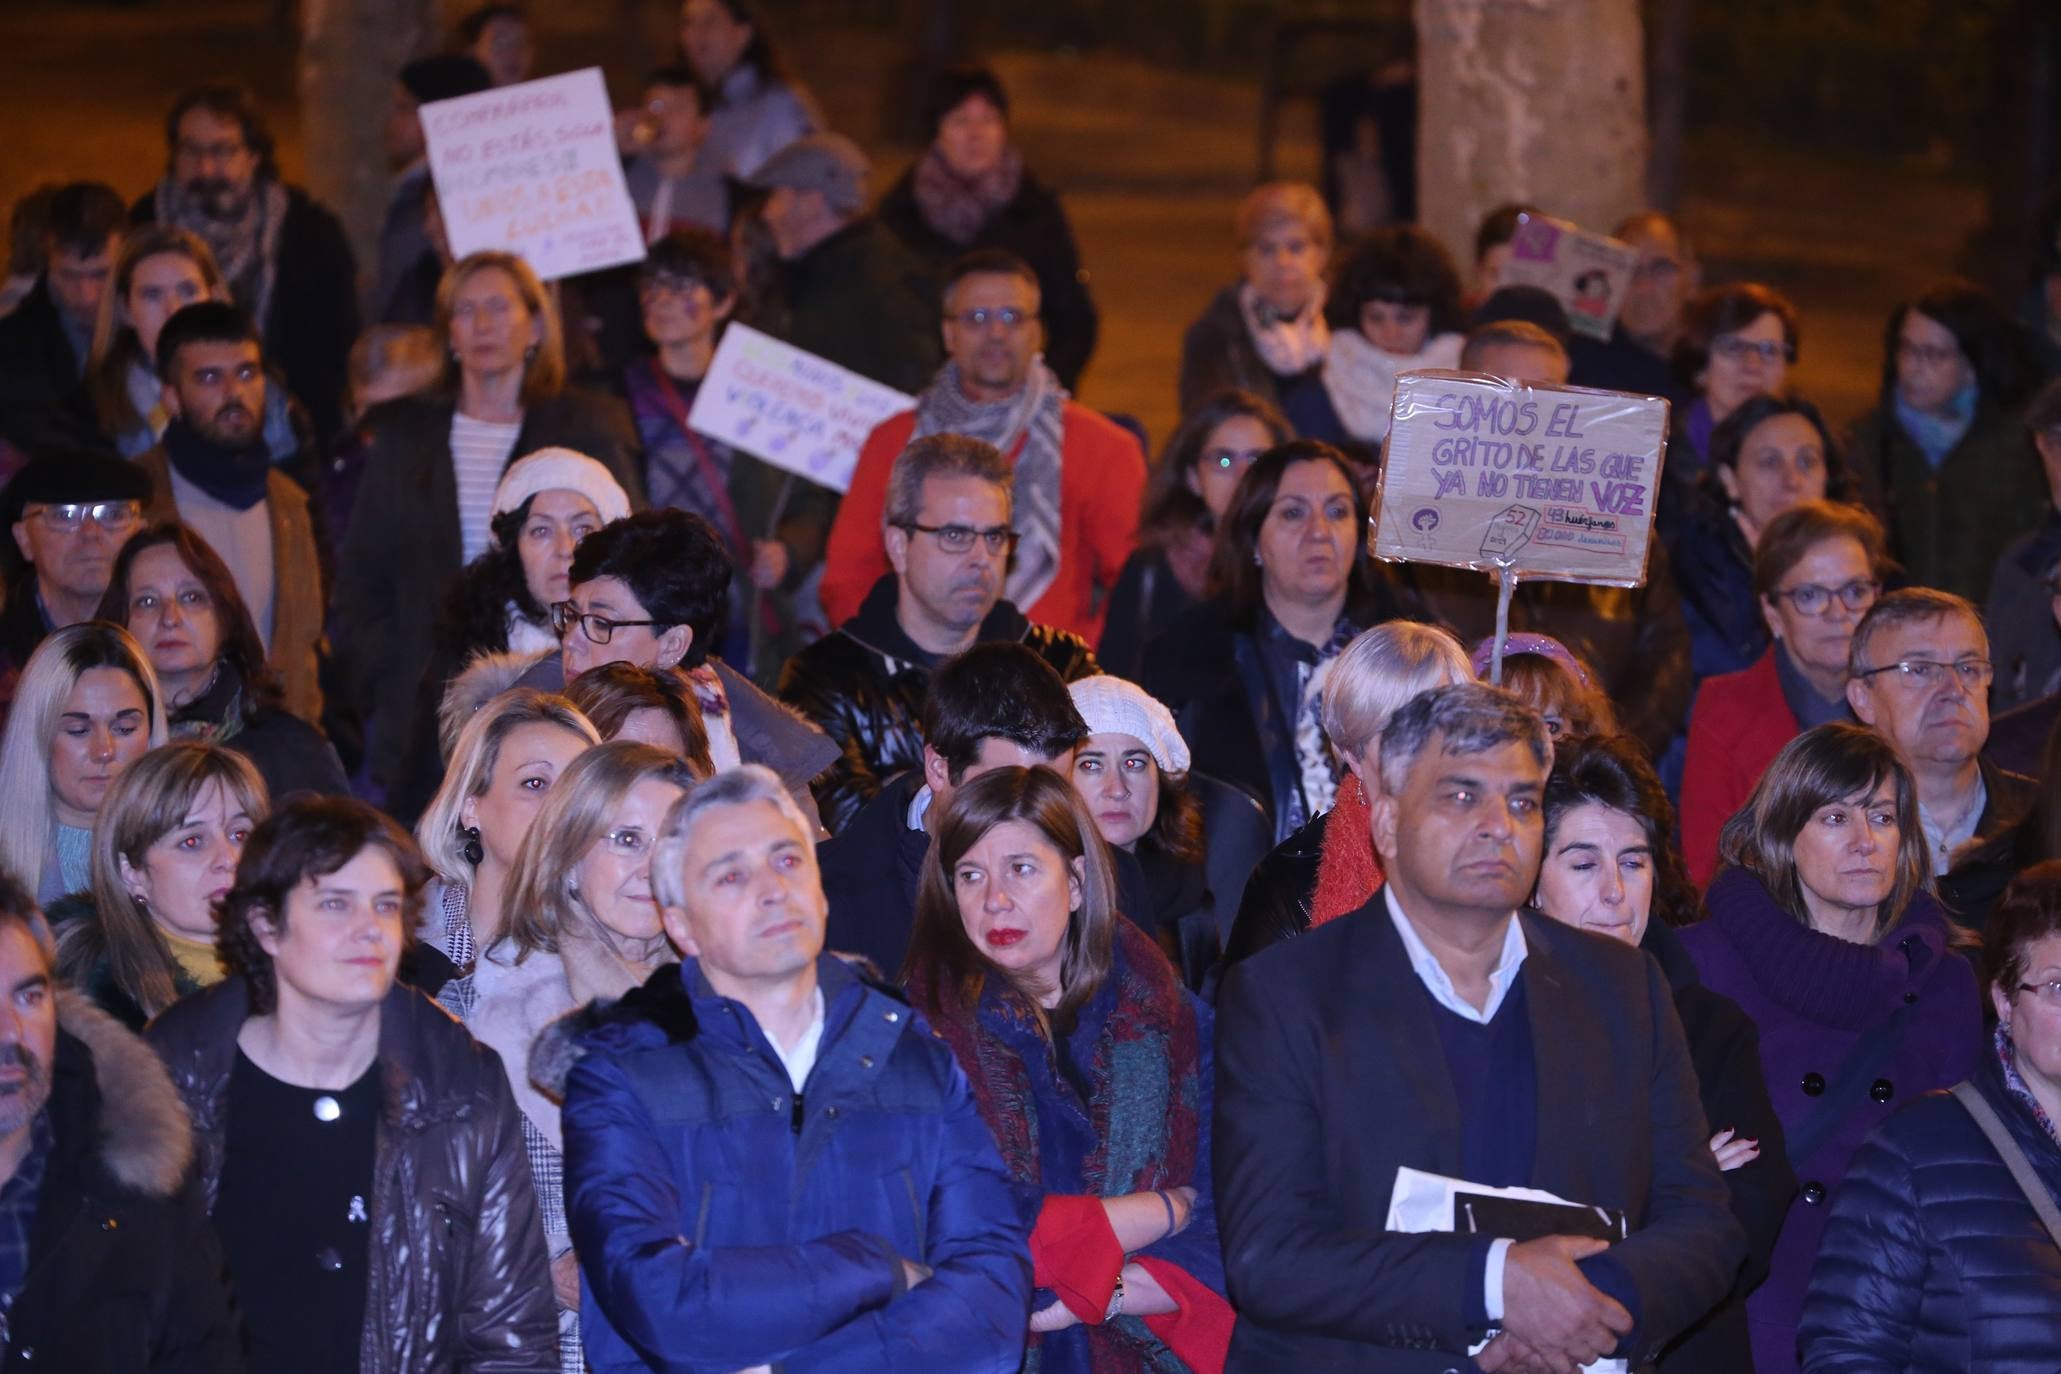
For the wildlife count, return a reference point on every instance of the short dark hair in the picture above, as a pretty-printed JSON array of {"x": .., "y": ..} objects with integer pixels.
[
  {"x": 696, "y": 255},
  {"x": 1498, "y": 227},
  {"x": 2028, "y": 912},
  {"x": 1613, "y": 771},
  {"x": 988, "y": 262},
  {"x": 1000, "y": 690},
  {"x": 956, "y": 85},
  {"x": 1170, "y": 507},
  {"x": 1403, "y": 265},
  {"x": 1233, "y": 573},
  {"x": 678, "y": 76},
  {"x": 675, "y": 563},
  {"x": 241, "y": 648},
  {"x": 1470, "y": 718},
  {"x": 1730, "y": 436},
  {"x": 226, "y": 102},
  {"x": 307, "y": 837},
  {"x": 1985, "y": 332},
  {"x": 940, "y": 455},
  {"x": 83, "y": 217},
  {"x": 1722, "y": 310},
  {"x": 216, "y": 322},
  {"x": 609, "y": 693},
  {"x": 475, "y": 22}
]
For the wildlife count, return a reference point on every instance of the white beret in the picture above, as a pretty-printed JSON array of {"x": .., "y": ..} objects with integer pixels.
[
  {"x": 561, "y": 469},
  {"x": 1116, "y": 706}
]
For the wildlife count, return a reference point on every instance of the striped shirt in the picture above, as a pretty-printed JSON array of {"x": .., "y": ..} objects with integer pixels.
[{"x": 480, "y": 451}]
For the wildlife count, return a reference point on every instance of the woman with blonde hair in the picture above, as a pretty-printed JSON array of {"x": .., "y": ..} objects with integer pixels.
[
  {"x": 583, "y": 926},
  {"x": 1267, "y": 330},
  {"x": 86, "y": 707},
  {"x": 433, "y": 463},
  {"x": 164, "y": 852}
]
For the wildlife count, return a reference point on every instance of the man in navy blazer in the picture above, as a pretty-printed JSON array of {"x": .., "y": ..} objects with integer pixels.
[{"x": 1443, "y": 1028}]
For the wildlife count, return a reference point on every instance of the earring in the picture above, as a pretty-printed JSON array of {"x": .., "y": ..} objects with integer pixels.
[
  {"x": 1257, "y": 561},
  {"x": 473, "y": 850}
]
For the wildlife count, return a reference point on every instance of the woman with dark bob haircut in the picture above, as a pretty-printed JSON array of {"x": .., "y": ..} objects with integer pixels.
[
  {"x": 1290, "y": 585},
  {"x": 1090, "y": 1063},
  {"x": 1823, "y": 930},
  {"x": 1610, "y": 867},
  {"x": 1936, "y": 1260},
  {"x": 1738, "y": 341}
]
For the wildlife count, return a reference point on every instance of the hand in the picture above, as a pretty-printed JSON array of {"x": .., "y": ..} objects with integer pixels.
[
  {"x": 913, "y": 1273},
  {"x": 1733, "y": 1150},
  {"x": 565, "y": 1280},
  {"x": 1549, "y": 1305},
  {"x": 1184, "y": 1208},
  {"x": 1057, "y": 1317},
  {"x": 1506, "y": 1354},
  {"x": 633, "y": 131},
  {"x": 769, "y": 563}
]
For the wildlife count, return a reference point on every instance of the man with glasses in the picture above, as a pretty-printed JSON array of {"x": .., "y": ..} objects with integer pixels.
[
  {"x": 285, "y": 258},
  {"x": 1920, "y": 675},
  {"x": 1077, "y": 477},
  {"x": 1637, "y": 355},
  {"x": 948, "y": 538},
  {"x": 70, "y": 512}
]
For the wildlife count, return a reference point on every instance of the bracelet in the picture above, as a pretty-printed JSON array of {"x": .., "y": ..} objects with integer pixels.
[
  {"x": 1116, "y": 1300},
  {"x": 1172, "y": 1223}
]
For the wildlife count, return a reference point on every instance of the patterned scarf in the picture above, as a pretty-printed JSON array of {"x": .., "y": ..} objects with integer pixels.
[
  {"x": 2007, "y": 1055},
  {"x": 246, "y": 248},
  {"x": 958, "y": 208},
  {"x": 1142, "y": 1054},
  {"x": 714, "y": 701},
  {"x": 1029, "y": 430},
  {"x": 1314, "y": 761},
  {"x": 1289, "y": 345}
]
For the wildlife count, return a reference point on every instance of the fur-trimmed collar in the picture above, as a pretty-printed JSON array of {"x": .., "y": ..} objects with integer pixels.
[{"x": 145, "y": 1139}]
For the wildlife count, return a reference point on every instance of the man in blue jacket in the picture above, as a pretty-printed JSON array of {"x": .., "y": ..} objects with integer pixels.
[{"x": 767, "y": 1163}]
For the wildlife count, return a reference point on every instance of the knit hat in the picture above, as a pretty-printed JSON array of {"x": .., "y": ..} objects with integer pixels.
[
  {"x": 561, "y": 469},
  {"x": 1116, "y": 706}
]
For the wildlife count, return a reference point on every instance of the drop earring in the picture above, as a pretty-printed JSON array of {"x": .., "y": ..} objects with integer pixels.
[{"x": 473, "y": 850}]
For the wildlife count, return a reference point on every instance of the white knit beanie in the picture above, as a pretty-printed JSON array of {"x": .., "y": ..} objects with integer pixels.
[
  {"x": 1116, "y": 706},
  {"x": 561, "y": 469}
]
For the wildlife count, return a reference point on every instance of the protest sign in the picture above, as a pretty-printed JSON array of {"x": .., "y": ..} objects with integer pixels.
[
  {"x": 1550, "y": 482},
  {"x": 795, "y": 410},
  {"x": 1588, "y": 273},
  {"x": 532, "y": 169}
]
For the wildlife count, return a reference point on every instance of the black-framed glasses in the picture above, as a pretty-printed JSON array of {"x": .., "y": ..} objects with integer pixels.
[
  {"x": 1009, "y": 317},
  {"x": 111, "y": 516},
  {"x": 1975, "y": 674},
  {"x": 599, "y": 629},
  {"x": 2048, "y": 992},
  {"x": 959, "y": 538},
  {"x": 1814, "y": 599},
  {"x": 1732, "y": 348}
]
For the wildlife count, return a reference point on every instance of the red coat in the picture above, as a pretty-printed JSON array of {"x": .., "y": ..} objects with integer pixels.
[
  {"x": 1101, "y": 481},
  {"x": 1740, "y": 723}
]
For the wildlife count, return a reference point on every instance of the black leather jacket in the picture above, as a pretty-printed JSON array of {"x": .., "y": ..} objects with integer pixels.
[
  {"x": 1276, "y": 904},
  {"x": 459, "y": 1279},
  {"x": 863, "y": 686}
]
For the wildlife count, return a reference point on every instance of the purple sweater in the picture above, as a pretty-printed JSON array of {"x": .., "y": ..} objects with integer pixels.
[{"x": 1813, "y": 997}]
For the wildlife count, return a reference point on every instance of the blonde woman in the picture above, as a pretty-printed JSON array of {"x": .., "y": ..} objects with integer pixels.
[
  {"x": 87, "y": 706},
  {"x": 432, "y": 465},
  {"x": 583, "y": 925},
  {"x": 164, "y": 852},
  {"x": 160, "y": 269}
]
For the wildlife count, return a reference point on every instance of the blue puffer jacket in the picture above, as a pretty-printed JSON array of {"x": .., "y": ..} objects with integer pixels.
[
  {"x": 723, "y": 1221},
  {"x": 1933, "y": 1261}
]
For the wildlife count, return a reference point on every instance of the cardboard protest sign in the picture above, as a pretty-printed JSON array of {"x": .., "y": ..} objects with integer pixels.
[
  {"x": 533, "y": 170},
  {"x": 791, "y": 408},
  {"x": 1588, "y": 273},
  {"x": 1550, "y": 482}
]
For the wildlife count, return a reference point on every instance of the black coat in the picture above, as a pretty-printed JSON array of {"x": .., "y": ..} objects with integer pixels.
[
  {"x": 404, "y": 546},
  {"x": 863, "y": 301},
  {"x": 125, "y": 1274},
  {"x": 863, "y": 685},
  {"x": 1034, "y": 227},
  {"x": 2007, "y": 839},
  {"x": 43, "y": 400},
  {"x": 1146, "y": 599},
  {"x": 1275, "y": 905},
  {"x": 313, "y": 319},
  {"x": 289, "y": 754},
  {"x": 1324, "y": 1090}
]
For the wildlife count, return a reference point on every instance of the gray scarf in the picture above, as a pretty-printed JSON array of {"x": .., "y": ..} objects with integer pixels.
[
  {"x": 246, "y": 248},
  {"x": 1028, "y": 428}
]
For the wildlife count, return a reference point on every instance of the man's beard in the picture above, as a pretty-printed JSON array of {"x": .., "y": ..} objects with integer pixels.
[
  {"x": 19, "y": 1102},
  {"x": 216, "y": 432},
  {"x": 217, "y": 198}
]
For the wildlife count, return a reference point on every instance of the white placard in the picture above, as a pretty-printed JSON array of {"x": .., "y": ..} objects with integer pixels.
[
  {"x": 789, "y": 407},
  {"x": 1589, "y": 273},
  {"x": 1553, "y": 482},
  {"x": 532, "y": 169}
]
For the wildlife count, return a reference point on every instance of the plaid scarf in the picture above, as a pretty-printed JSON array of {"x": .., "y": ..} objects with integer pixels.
[
  {"x": 2007, "y": 1055},
  {"x": 959, "y": 208},
  {"x": 246, "y": 248}
]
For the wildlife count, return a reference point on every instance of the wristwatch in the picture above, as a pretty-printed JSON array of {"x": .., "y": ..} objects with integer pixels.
[{"x": 1116, "y": 1300}]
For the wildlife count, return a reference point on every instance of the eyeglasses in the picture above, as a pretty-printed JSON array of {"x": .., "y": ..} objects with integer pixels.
[
  {"x": 1813, "y": 599},
  {"x": 1975, "y": 674},
  {"x": 2048, "y": 992},
  {"x": 959, "y": 538},
  {"x": 1928, "y": 355},
  {"x": 666, "y": 285},
  {"x": 213, "y": 152},
  {"x": 599, "y": 629},
  {"x": 111, "y": 516},
  {"x": 1009, "y": 317},
  {"x": 1230, "y": 459},
  {"x": 628, "y": 842},
  {"x": 1737, "y": 350}
]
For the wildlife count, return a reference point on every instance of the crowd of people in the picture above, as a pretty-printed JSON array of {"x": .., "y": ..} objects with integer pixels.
[{"x": 497, "y": 879}]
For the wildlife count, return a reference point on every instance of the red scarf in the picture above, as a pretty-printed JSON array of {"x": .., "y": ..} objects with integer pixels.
[{"x": 1348, "y": 869}]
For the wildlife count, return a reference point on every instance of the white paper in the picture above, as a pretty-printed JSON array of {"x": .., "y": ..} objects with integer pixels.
[
  {"x": 1588, "y": 273},
  {"x": 791, "y": 408},
  {"x": 532, "y": 169}
]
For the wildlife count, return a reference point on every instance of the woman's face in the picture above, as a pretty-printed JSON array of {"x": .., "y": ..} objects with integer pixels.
[
  {"x": 103, "y": 728},
  {"x": 1781, "y": 466},
  {"x": 1746, "y": 363},
  {"x": 1285, "y": 265},
  {"x": 1117, "y": 778},
  {"x": 558, "y": 520},
  {"x": 614, "y": 876},
  {"x": 1930, "y": 366},
  {"x": 531, "y": 758},
  {"x": 191, "y": 866},
  {"x": 1598, "y": 872},
  {"x": 492, "y": 329},
  {"x": 678, "y": 310},
  {"x": 2034, "y": 1020},
  {"x": 1846, "y": 853},
  {"x": 972, "y": 137},
  {"x": 161, "y": 285},
  {"x": 1396, "y": 329},
  {"x": 1228, "y": 451},
  {"x": 711, "y": 39},
  {"x": 172, "y": 615},
  {"x": 1819, "y": 640},
  {"x": 1306, "y": 542},
  {"x": 1017, "y": 895}
]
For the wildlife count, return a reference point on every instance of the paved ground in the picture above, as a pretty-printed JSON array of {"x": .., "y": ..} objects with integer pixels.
[{"x": 1152, "y": 164}]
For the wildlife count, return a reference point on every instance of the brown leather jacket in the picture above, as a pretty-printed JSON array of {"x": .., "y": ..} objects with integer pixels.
[{"x": 459, "y": 1275}]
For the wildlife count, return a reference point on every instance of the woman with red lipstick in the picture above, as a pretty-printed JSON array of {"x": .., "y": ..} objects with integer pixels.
[{"x": 1091, "y": 1064}]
